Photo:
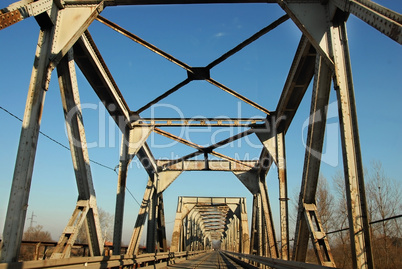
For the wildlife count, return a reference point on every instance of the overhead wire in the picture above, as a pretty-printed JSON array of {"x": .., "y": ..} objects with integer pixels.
[{"x": 64, "y": 146}]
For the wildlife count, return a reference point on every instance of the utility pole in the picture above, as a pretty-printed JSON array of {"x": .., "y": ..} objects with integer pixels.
[
  {"x": 31, "y": 220},
  {"x": 31, "y": 225}
]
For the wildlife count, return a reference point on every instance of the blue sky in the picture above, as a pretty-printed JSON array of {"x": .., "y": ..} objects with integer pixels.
[{"x": 196, "y": 35}]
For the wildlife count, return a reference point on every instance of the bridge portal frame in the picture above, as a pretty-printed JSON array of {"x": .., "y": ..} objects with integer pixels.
[{"x": 229, "y": 219}]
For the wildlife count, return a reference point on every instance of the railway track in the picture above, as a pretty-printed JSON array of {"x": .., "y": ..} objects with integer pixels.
[{"x": 209, "y": 260}]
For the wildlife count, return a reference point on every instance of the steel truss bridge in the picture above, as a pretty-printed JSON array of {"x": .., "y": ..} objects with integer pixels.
[{"x": 322, "y": 55}]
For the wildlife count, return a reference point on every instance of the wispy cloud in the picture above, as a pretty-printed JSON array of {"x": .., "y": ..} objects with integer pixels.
[{"x": 220, "y": 34}]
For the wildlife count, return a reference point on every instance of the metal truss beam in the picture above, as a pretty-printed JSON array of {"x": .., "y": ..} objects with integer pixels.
[
  {"x": 263, "y": 239},
  {"x": 151, "y": 224},
  {"x": 21, "y": 10},
  {"x": 212, "y": 165},
  {"x": 132, "y": 141},
  {"x": 312, "y": 160},
  {"x": 161, "y": 225},
  {"x": 248, "y": 41},
  {"x": 318, "y": 236},
  {"x": 141, "y": 218},
  {"x": 312, "y": 18},
  {"x": 383, "y": 19},
  {"x": 238, "y": 96},
  {"x": 86, "y": 208},
  {"x": 164, "y": 95},
  {"x": 274, "y": 144},
  {"x": 196, "y": 73},
  {"x": 271, "y": 246},
  {"x": 94, "y": 68},
  {"x": 300, "y": 74},
  {"x": 144, "y": 43},
  {"x": 205, "y": 150},
  {"x": 193, "y": 145},
  {"x": 152, "y": 209},
  {"x": 199, "y": 122}
]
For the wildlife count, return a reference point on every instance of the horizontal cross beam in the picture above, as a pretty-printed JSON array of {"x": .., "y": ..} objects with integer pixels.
[
  {"x": 199, "y": 122},
  {"x": 213, "y": 165}
]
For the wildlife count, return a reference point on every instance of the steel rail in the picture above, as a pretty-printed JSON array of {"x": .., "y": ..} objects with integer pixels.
[{"x": 276, "y": 263}]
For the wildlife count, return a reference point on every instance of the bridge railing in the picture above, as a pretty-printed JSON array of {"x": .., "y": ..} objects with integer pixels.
[
  {"x": 274, "y": 263},
  {"x": 148, "y": 260}
]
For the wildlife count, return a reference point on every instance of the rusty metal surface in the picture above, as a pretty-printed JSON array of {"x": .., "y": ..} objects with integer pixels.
[
  {"x": 199, "y": 122},
  {"x": 9, "y": 18},
  {"x": 213, "y": 165}
]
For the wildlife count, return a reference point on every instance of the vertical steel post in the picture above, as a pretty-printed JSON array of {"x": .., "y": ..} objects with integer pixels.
[
  {"x": 274, "y": 142},
  {"x": 132, "y": 141},
  {"x": 244, "y": 234},
  {"x": 283, "y": 195},
  {"x": 161, "y": 226},
  {"x": 254, "y": 236},
  {"x": 260, "y": 226},
  {"x": 121, "y": 192},
  {"x": 151, "y": 229},
  {"x": 352, "y": 160},
  {"x": 19, "y": 194},
  {"x": 177, "y": 228},
  {"x": 270, "y": 237}
]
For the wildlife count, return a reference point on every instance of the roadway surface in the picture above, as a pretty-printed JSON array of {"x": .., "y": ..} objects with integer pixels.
[{"x": 209, "y": 260}]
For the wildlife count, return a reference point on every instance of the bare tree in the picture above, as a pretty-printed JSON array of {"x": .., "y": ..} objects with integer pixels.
[
  {"x": 340, "y": 242},
  {"x": 106, "y": 222},
  {"x": 36, "y": 233},
  {"x": 384, "y": 201},
  {"x": 325, "y": 204}
]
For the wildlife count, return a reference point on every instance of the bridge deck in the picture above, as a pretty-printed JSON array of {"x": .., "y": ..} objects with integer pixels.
[{"x": 209, "y": 260}]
